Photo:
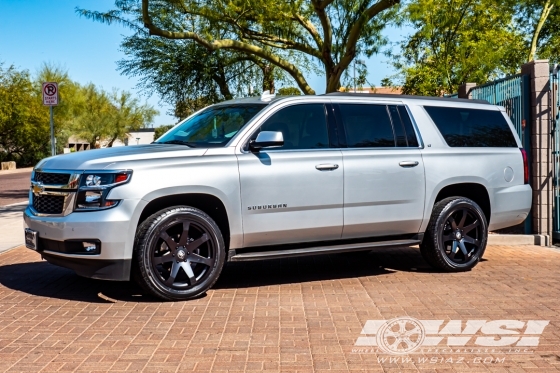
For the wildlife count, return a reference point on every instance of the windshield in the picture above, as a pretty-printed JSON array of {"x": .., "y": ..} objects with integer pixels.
[{"x": 213, "y": 127}]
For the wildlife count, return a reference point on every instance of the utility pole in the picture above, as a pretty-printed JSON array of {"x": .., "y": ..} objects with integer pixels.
[
  {"x": 53, "y": 145},
  {"x": 50, "y": 99}
]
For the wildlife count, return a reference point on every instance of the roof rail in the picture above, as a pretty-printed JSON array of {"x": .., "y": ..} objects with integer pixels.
[{"x": 408, "y": 97}]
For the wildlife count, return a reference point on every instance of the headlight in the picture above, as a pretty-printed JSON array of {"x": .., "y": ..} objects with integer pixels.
[{"x": 95, "y": 186}]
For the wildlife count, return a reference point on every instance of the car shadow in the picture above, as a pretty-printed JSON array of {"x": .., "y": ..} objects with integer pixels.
[{"x": 46, "y": 280}]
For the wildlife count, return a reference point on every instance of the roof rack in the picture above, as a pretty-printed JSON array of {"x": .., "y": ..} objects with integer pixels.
[{"x": 408, "y": 97}]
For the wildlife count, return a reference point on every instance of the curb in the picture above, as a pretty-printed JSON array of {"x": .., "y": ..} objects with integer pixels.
[
  {"x": 519, "y": 239},
  {"x": 16, "y": 171}
]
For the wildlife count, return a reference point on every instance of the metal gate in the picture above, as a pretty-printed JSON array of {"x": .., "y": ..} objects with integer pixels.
[
  {"x": 513, "y": 94},
  {"x": 555, "y": 103}
]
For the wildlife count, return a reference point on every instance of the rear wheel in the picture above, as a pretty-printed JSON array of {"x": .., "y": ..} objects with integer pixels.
[
  {"x": 179, "y": 253},
  {"x": 456, "y": 236}
]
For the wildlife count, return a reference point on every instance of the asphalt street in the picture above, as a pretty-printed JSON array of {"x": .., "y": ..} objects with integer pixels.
[{"x": 14, "y": 188}]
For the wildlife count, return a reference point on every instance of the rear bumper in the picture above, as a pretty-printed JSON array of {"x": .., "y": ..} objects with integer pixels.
[{"x": 510, "y": 206}]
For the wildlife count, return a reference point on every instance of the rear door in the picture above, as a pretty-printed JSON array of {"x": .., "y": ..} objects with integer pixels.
[
  {"x": 293, "y": 193},
  {"x": 384, "y": 186}
]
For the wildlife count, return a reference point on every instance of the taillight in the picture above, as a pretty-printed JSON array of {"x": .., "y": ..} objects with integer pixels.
[{"x": 525, "y": 166}]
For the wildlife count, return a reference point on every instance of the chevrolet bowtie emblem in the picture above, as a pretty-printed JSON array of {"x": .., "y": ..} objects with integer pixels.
[{"x": 37, "y": 188}]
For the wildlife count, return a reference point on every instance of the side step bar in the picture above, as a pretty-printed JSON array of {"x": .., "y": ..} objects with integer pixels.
[{"x": 278, "y": 254}]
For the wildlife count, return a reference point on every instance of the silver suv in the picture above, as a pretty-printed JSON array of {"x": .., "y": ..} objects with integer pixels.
[{"x": 253, "y": 179}]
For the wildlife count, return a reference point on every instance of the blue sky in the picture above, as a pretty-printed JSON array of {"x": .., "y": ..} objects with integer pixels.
[{"x": 37, "y": 31}]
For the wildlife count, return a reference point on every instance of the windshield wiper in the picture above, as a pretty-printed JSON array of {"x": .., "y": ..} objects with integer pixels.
[{"x": 180, "y": 142}]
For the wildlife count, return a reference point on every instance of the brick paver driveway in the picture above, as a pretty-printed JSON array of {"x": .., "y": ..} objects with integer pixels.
[{"x": 301, "y": 314}]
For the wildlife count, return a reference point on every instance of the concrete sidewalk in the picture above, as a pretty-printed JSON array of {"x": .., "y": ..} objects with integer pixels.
[{"x": 11, "y": 226}]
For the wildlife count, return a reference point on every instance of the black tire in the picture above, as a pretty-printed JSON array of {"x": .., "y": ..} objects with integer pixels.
[
  {"x": 456, "y": 236},
  {"x": 172, "y": 265}
]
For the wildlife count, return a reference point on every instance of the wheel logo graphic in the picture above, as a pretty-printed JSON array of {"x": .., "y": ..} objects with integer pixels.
[{"x": 401, "y": 335}]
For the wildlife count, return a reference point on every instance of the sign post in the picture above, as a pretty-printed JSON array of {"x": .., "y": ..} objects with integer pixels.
[{"x": 50, "y": 99}]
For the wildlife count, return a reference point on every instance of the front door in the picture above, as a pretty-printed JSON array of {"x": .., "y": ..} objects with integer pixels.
[
  {"x": 293, "y": 193},
  {"x": 384, "y": 187}
]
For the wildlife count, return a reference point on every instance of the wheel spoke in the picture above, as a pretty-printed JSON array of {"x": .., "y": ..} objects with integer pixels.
[
  {"x": 185, "y": 233},
  {"x": 470, "y": 227},
  {"x": 471, "y": 240},
  {"x": 448, "y": 237},
  {"x": 196, "y": 243},
  {"x": 453, "y": 224},
  {"x": 452, "y": 255},
  {"x": 174, "y": 271},
  {"x": 188, "y": 270},
  {"x": 195, "y": 258},
  {"x": 163, "y": 259},
  {"x": 454, "y": 248},
  {"x": 463, "y": 248},
  {"x": 172, "y": 245},
  {"x": 463, "y": 218}
]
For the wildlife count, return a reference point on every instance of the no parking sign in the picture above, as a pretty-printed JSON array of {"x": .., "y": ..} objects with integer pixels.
[{"x": 50, "y": 93}]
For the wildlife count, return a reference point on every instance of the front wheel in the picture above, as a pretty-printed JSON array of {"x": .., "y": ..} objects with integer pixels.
[
  {"x": 179, "y": 253},
  {"x": 456, "y": 236}
]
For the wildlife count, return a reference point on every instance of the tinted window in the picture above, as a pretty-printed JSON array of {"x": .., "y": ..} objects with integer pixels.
[
  {"x": 400, "y": 134},
  {"x": 367, "y": 126},
  {"x": 303, "y": 126},
  {"x": 462, "y": 127},
  {"x": 409, "y": 130},
  {"x": 213, "y": 127}
]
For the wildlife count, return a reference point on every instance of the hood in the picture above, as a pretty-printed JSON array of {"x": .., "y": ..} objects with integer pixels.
[{"x": 117, "y": 157}]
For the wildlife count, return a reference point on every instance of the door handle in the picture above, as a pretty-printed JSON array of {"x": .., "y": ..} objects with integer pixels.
[
  {"x": 326, "y": 167},
  {"x": 408, "y": 163}
]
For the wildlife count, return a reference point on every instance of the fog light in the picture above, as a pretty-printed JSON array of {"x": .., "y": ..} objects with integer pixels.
[{"x": 90, "y": 247}]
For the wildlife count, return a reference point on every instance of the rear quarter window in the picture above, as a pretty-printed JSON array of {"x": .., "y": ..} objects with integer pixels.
[{"x": 462, "y": 127}]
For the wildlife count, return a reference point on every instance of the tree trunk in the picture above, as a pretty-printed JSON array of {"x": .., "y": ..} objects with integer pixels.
[
  {"x": 333, "y": 80},
  {"x": 110, "y": 144},
  {"x": 268, "y": 78},
  {"x": 542, "y": 19}
]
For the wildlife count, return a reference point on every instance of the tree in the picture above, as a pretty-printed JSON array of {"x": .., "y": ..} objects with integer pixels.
[
  {"x": 127, "y": 116},
  {"x": 182, "y": 72},
  {"x": 69, "y": 104},
  {"x": 100, "y": 116},
  {"x": 285, "y": 34},
  {"x": 24, "y": 121},
  {"x": 161, "y": 130},
  {"x": 539, "y": 20},
  {"x": 96, "y": 114},
  {"x": 455, "y": 42}
]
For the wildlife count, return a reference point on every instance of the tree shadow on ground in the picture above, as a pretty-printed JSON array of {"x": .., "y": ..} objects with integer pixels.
[
  {"x": 14, "y": 194},
  {"x": 46, "y": 280}
]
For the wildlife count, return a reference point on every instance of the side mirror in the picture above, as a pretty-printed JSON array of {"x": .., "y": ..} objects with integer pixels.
[{"x": 267, "y": 139}]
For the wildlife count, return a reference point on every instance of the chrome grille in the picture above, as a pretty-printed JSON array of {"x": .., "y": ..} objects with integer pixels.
[
  {"x": 48, "y": 178},
  {"x": 48, "y": 204}
]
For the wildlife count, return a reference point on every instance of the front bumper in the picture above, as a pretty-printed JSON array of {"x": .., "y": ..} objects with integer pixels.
[{"x": 115, "y": 228}]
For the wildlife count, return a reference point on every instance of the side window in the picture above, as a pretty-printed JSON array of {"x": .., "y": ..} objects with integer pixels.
[
  {"x": 367, "y": 126},
  {"x": 464, "y": 127},
  {"x": 404, "y": 132},
  {"x": 303, "y": 126},
  {"x": 409, "y": 130},
  {"x": 398, "y": 127}
]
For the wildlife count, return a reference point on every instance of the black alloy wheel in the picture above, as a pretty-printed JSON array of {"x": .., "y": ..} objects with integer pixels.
[
  {"x": 456, "y": 236},
  {"x": 461, "y": 235},
  {"x": 179, "y": 253}
]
